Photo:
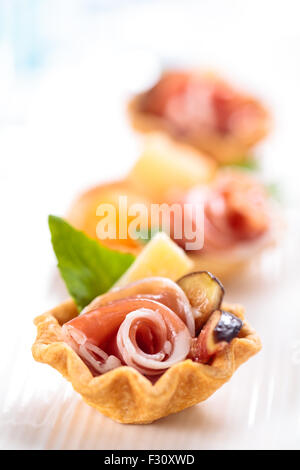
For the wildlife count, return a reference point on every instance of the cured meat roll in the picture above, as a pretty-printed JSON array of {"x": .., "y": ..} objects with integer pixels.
[{"x": 148, "y": 325}]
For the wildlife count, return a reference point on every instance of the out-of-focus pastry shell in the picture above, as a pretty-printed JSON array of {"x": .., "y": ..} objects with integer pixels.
[
  {"x": 224, "y": 148},
  {"x": 124, "y": 394}
]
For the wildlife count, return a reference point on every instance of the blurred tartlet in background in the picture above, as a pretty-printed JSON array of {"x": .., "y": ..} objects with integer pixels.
[
  {"x": 203, "y": 110},
  {"x": 240, "y": 219}
]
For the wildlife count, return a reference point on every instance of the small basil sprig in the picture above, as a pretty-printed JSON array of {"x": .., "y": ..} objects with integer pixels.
[{"x": 88, "y": 268}]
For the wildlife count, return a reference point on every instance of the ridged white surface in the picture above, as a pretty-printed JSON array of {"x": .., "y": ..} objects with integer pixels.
[{"x": 61, "y": 148}]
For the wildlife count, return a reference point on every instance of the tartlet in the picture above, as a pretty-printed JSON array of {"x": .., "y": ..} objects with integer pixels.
[
  {"x": 124, "y": 394},
  {"x": 124, "y": 389},
  {"x": 167, "y": 108},
  {"x": 249, "y": 222}
]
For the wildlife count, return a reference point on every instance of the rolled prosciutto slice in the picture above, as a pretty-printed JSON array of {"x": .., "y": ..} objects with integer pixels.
[
  {"x": 149, "y": 325},
  {"x": 138, "y": 332},
  {"x": 160, "y": 289}
]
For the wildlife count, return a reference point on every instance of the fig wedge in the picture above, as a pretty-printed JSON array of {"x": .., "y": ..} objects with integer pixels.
[
  {"x": 217, "y": 333},
  {"x": 205, "y": 293},
  {"x": 228, "y": 327}
]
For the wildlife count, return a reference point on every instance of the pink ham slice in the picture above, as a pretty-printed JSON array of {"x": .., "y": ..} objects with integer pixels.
[
  {"x": 160, "y": 289},
  {"x": 236, "y": 210},
  {"x": 143, "y": 333}
]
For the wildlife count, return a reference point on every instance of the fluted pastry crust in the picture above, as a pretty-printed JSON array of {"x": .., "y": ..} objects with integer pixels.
[{"x": 124, "y": 394}]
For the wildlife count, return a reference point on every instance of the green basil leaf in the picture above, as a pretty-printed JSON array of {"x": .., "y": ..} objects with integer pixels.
[{"x": 88, "y": 268}]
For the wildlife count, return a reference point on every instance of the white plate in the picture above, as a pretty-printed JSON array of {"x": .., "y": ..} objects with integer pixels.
[{"x": 68, "y": 142}]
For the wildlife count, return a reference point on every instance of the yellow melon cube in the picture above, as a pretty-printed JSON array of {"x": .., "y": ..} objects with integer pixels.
[{"x": 160, "y": 257}]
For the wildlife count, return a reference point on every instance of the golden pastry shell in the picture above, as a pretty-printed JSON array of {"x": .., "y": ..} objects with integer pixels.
[{"x": 124, "y": 394}]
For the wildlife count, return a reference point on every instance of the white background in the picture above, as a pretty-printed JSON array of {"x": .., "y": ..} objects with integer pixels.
[{"x": 63, "y": 128}]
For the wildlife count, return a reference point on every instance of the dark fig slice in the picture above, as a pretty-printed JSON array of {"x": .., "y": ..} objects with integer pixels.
[
  {"x": 205, "y": 293},
  {"x": 216, "y": 334},
  {"x": 205, "y": 346},
  {"x": 228, "y": 327}
]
